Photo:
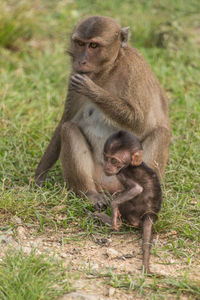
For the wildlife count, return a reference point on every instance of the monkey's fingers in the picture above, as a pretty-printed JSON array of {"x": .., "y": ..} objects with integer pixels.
[
  {"x": 103, "y": 217},
  {"x": 76, "y": 81},
  {"x": 80, "y": 76},
  {"x": 100, "y": 205},
  {"x": 99, "y": 201}
]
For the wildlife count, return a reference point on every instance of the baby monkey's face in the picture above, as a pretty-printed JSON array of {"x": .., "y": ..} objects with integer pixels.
[{"x": 113, "y": 163}]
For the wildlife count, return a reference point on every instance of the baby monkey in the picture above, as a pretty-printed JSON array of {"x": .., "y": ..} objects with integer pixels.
[{"x": 140, "y": 200}]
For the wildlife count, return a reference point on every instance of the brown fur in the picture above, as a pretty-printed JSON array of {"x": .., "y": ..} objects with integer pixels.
[
  {"x": 140, "y": 201},
  {"x": 111, "y": 87}
]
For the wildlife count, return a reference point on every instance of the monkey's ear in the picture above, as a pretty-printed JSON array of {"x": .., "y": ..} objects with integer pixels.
[
  {"x": 136, "y": 158},
  {"x": 124, "y": 36}
]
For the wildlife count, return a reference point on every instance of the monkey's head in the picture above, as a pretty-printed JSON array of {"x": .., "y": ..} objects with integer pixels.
[
  {"x": 95, "y": 44},
  {"x": 121, "y": 150}
]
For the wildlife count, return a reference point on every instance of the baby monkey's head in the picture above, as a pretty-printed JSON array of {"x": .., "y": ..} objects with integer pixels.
[{"x": 121, "y": 150}]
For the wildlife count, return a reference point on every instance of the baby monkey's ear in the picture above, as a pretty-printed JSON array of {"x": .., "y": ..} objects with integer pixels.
[{"x": 136, "y": 158}]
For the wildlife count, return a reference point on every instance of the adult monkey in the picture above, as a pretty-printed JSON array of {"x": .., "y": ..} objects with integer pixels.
[{"x": 111, "y": 87}]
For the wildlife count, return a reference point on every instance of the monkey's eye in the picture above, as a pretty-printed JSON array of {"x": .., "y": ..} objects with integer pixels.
[
  {"x": 80, "y": 43},
  {"x": 93, "y": 45},
  {"x": 113, "y": 161}
]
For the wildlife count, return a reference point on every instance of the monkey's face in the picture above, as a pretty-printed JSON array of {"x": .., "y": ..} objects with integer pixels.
[
  {"x": 116, "y": 162},
  {"x": 91, "y": 56},
  {"x": 95, "y": 45}
]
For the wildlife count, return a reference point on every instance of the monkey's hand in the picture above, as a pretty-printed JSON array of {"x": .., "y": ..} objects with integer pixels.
[
  {"x": 99, "y": 201},
  {"x": 82, "y": 84}
]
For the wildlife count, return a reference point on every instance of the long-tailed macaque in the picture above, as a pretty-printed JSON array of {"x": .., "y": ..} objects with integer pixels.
[
  {"x": 141, "y": 197},
  {"x": 111, "y": 87}
]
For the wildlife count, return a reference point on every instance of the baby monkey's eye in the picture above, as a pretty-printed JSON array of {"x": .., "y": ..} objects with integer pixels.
[
  {"x": 113, "y": 161},
  {"x": 93, "y": 45}
]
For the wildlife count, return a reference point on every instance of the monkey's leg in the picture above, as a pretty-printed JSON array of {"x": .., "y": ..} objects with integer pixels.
[
  {"x": 146, "y": 243},
  {"x": 76, "y": 159},
  {"x": 77, "y": 163},
  {"x": 122, "y": 198},
  {"x": 156, "y": 149},
  {"x": 49, "y": 158},
  {"x": 116, "y": 221}
]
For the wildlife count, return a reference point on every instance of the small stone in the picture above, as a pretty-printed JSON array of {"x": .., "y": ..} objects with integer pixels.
[
  {"x": 101, "y": 241},
  {"x": 128, "y": 255},
  {"x": 16, "y": 220},
  {"x": 112, "y": 253},
  {"x": 6, "y": 239},
  {"x": 111, "y": 291},
  {"x": 95, "y": 267},
  {"x": 38, "y": 241},
  {"x": 26, "y": 250},
  {"x": 64, "y": 255},
  {"x": 21, "y": 232},
  {"x": 81, "y": 296}
]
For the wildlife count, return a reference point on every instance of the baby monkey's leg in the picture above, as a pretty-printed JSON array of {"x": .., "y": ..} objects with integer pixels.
[
  {"x": 116, "y": 220},
  {"x": 121, "y": 199}
]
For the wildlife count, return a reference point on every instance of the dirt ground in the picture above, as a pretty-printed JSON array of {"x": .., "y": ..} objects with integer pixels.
[{"x": 84, "y": 257}]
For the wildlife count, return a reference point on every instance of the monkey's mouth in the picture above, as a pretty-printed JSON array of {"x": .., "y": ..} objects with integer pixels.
[
  {"x": 84, "y": 72},
  {"x": 110, "y": 173}
]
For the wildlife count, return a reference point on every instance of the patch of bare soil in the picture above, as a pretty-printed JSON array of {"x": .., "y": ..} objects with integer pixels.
[{"x": 120, "y": 253}]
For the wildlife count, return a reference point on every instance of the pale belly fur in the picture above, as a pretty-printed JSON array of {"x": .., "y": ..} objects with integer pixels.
[{"x": 97, "y": 128}]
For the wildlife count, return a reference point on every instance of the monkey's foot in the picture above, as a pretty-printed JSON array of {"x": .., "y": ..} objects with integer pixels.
[
  {"x": 99, "y": 201},
  {"x": 40, "y": 179},
  {"x": 117, "y": 224},
  {"x": 146, "y": 271},
  {"x": 38, "y": 184},
  {"x": 156, "y": 275}
]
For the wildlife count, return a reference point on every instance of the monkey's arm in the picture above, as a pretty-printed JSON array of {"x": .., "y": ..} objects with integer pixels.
[
  {"x": 52, "y": 152},
  {"x": 127, "y": 195},
  {"x": 119, "y": 109},
  {"x": 50, "y": 156}
]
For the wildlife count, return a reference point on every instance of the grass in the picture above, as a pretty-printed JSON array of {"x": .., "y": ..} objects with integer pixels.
[
  {"x": 34, "y": 74},
  {"x": 31, "y": 277},
  {"x": 156, "y": 286}
]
